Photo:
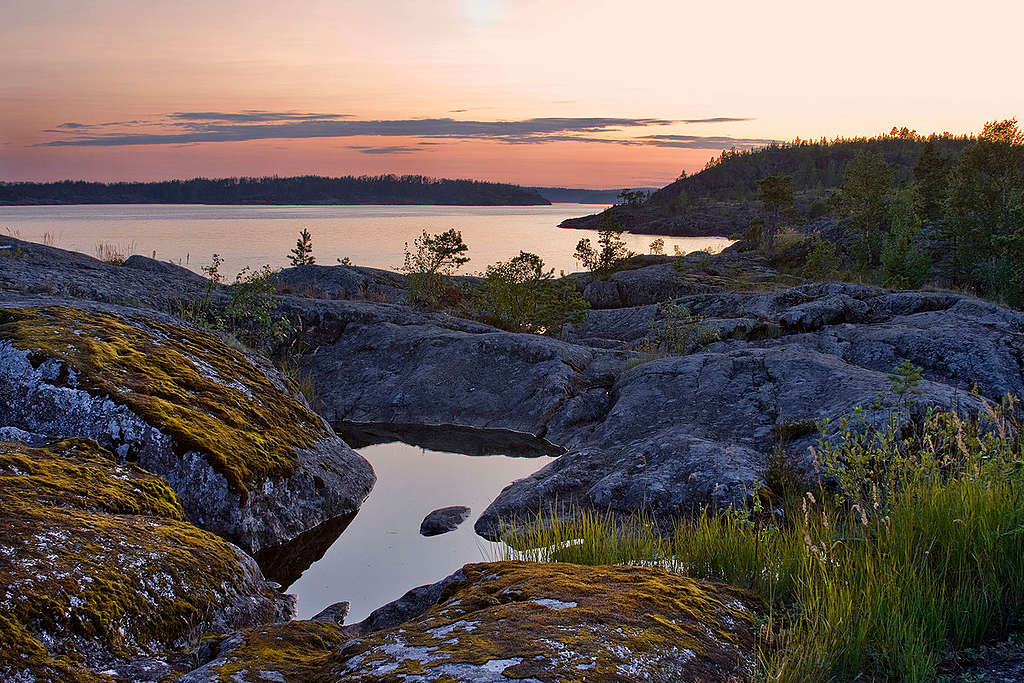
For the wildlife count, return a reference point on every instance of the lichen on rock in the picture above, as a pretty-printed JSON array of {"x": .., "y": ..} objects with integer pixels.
[
  {"x": 186, "y": 382},
  {"x": 248, "y": 460},
  {"x": 98, "y": 566},
  {"x": 524, "y": 621}
]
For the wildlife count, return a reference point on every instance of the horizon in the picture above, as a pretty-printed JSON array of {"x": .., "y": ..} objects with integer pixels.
[{"x": 576, "y": 95}]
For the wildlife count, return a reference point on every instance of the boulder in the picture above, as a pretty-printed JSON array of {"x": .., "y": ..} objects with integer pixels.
[
  {"x": 443, "y": 520},
  {"x": 342, "y": 282},
  {"x": 248, "y": 460},
  {"x": 99, "y": 567},
  {"x": 520, "y": 620}
]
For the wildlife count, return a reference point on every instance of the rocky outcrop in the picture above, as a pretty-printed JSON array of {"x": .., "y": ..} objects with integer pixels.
[
  {"x": 99, "y": 567},
  {"x": 248, "y": 460},
  {"x": 342, "y": 282},
  {"x": 535, "y": 622},
  {"x": 443, "y": 520},
  {"x": 677, "y": 432}
]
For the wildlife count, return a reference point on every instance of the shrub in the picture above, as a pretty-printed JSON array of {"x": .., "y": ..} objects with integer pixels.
[
  {"x": 821, "y": 262},
  {"x": 520, "y": 296},
  {"x": 432, "y": 259},
  {"x": 658, "y": 246},
  {"x": 250, "y": 312},
  {"x": 675, "y": 331},
  {"x": 611, "y": 251}
]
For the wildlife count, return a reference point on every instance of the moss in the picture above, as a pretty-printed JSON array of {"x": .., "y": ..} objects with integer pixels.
[
  {"x": 98, "y": 566},
  {"x": 86, "y": 477},
  {"x": 298, "y": 650},
  {"x": 607, "y": 621},
  {"x": 187, "y": 383}
]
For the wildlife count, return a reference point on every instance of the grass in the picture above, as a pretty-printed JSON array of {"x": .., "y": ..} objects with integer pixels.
[
  {"x": 114, "y": 253},
  {"x": 917, "y": 555}
]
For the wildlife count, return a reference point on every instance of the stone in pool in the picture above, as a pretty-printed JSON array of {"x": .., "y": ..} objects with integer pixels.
[{"x": 443, "y": 520}]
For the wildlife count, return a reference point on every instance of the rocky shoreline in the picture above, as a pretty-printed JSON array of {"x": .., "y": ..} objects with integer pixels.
[{"x": 99, "y": 381}]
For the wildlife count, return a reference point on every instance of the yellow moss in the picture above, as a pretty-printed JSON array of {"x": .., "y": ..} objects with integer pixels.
[
  {"x": 188, "y": 383},
  {"x": 116, "y": 567},
  {"x": 621, "y": 615},
  {"x": 84, "y": 476},
  {"x": 298, "y": 650}
]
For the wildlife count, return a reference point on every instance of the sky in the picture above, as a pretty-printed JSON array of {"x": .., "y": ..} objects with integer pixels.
[{"x": 556, "y": 92}]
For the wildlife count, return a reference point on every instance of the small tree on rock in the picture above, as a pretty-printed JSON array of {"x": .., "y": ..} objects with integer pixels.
[
  {"x": 432, "y": 258},
  {"x": 302, "y": 254},
  {"x": 611, "y": 251}
]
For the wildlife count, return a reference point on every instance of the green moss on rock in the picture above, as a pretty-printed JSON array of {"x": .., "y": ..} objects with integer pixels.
[
  {"x": 296, "y": 651},
  {"x": 521, "y": 620},
  {"x": 187, "y": 383},
  {"x": 97, "y": 563}
]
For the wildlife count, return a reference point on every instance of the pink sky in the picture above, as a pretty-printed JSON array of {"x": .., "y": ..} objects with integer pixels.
[{"x": 580, "y": 94}]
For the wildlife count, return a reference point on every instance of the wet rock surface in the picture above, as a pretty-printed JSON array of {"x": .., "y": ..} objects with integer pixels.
[
  {"x": 443, "y": 520},
  {"x": 525, "y": 621}
]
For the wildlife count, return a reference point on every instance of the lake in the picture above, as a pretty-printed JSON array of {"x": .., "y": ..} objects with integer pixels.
[
  {"x": 369, "y": 235},
  {"x": 378, "y": 554}
]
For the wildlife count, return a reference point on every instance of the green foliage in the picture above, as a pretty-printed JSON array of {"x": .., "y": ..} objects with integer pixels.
[
  {"x": 675, "y": 331},
  {"x": 611, "y": 251},
  {"x": 821, "y": 263},
  {"x": 432, "y": 259},
  {"x": 658, "y": 246},
  {"x": 863, "y": 200},
  {"x": 931, "y": 180},
  {"x": 917, "y": 554},
  {"x": 302, "y": 254},
  {"x": 904, "y": 259},
  {"x": 985, "y": 213},
  {"x": 519, "y": 295},
  {"x": 776, "y": 196},
  {"x": 250, "y": 313}
]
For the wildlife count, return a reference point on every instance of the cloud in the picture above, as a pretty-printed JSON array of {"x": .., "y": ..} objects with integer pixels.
[
  {"x": 388, "y": 149},
  {"x": 428, "y": 128},
  {"x": 704, "y": 141},
  {"x": 252, "y": 116},
  {"x": 716, "y": 119},
  {"x": 183, "y": 128}
]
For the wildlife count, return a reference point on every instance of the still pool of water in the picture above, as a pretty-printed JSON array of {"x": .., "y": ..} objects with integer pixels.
[
  {"x": 379, "y": 554},
  {"x": 369, "y": 235}
]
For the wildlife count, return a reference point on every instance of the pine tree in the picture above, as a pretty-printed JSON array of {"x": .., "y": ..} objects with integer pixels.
[{"x": 302, "y": 254}]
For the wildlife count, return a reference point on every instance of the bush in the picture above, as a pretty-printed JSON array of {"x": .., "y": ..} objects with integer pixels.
[
  {"x": 520, "y": 296},
  {"x": 427, "y": 265},
  {"x": 250, "y": 312},
  {"x": 821, "y": 263},
  {"x": 611, "y": 251},
  {"x": 675, "y": 331}
]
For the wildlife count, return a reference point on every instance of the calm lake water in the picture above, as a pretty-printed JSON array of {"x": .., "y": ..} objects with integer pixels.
[
  {"x": 380, "y": 554},
  {"x": 369, "y": 235}
]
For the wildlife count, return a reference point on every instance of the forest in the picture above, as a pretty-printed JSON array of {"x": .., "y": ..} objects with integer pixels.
[{"x": 310, "y": 189}]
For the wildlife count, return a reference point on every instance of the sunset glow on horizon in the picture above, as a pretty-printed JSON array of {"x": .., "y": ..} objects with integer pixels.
[{"x": 578, "y": 94}]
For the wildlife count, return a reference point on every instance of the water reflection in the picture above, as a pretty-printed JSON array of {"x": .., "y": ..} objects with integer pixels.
[
  {"x": 379, "y": 554},
  {"x": 448, "y": 438}
]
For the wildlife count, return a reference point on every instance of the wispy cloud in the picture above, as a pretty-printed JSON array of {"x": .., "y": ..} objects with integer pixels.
[
  {"x": 253, "y": 116},
  {"x": 181, "y": 128},
  {"x": 386, "y": 149}
]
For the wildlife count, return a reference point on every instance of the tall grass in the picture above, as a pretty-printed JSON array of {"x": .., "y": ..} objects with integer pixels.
[
  {"x": 114, "y": 253},
  {"x": 919, "y": 552}
]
